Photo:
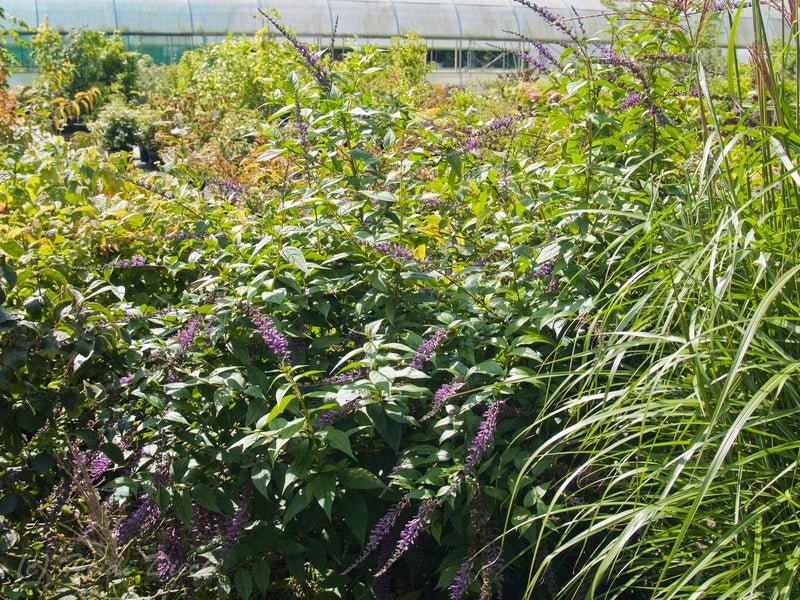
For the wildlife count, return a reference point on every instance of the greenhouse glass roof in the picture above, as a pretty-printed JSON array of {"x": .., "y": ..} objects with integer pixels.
[
  {"x": 314, "y": 19},
  {"x": 434, "y": 19}
]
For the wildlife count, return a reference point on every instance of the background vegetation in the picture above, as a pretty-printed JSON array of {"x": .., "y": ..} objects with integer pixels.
[{"x": 358, "y": 339}]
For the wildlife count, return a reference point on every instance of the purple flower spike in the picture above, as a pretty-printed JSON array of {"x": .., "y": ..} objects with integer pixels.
[
  {"x": 492, "y": 130},
  {"x": 234, "y": 530},
  {"x": 206, "y": 525},
  {"x": 533, "y": 62},
  {"x": 126, "y": 263},
  {"x": 273, "y": 338},
  {"x": 382, "y": 585},
  {"x": 346, "y": 377},
  {"x": 302, "y": 126},
  {"x": 610, "y": 57},
  {"x": 732, "y": 5},
  {"x": 632, "y": 99},
  {"x": 230, "y": 187},
  {"x": 126, "y": 379},
  {"x": 551, "y": 18},
  {"x": 143, "y": 518},
  {"x": 442, "y": 395},
  {"x": 187, "y": 334},
  {"x": 484, "y": 437},
  {"x": 458, "y": 588},
  {"x": 382, "y": 529},
  {"x": 427, "y": 348},
  {"x": 394, "y": 250},
  {"x": 99, "y": 465},
  {"x": 331, "y": 416},
  {"x": 170, "y": 559},
  {"x": 411, "y": 531},
  {"x": 311, "y": 59},
  {"x": 470, "y": 144},
  {"x": 545, "y": 269},
  {"x": 59, "y": 501},
  {"x": 544, "y": 51}
]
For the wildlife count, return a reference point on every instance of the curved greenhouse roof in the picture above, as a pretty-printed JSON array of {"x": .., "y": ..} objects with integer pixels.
[
  {"x": 365, "y": 20},
  {"x": 471, "y": 38}
]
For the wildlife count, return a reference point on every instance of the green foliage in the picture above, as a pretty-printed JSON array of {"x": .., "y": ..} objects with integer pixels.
[
  {"x": 155, "y": 83},
  {"x": 82, "y": 61},
  {"x": 242, "y": 70},
  {"x": 7, "y": 59},
  {"x": 558, "y": 344},
  {"x": 120, "y": 127},
  {"x": 403, "y": 68}
]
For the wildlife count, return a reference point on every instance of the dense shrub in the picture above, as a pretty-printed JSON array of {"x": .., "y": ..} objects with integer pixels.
[
  {"x": 121, "y": 127},
  {"x": 82, "y": 61},
  {"x": 396, "y": 349}
]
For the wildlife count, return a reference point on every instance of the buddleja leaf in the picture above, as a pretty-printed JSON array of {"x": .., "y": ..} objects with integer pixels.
[{"x": 339, "y": 440}]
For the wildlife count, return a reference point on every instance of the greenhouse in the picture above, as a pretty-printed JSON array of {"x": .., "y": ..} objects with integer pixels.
[{"x": 462, "y": 35}]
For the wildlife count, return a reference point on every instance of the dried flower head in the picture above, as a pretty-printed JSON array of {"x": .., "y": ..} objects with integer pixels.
[
  {"x": 382, "y": 584},
  {"x": 171, "y": 556}
]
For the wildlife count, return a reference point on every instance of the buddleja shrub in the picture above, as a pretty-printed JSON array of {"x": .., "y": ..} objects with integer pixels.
[
  {"x": 323, "y": 385},
  {"x": 203, "y": 388}
]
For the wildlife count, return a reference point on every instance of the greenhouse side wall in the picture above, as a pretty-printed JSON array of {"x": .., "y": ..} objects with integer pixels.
[{"x": 467, "y": 40}]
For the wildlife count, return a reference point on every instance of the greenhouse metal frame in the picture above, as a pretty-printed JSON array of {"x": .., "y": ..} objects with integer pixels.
[{"x": 464, "y": 36}]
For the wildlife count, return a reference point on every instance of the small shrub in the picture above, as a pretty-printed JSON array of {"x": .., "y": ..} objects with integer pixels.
[
  {"x": 82, "y": 61},
  {"x": 121, "y": 127}
]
